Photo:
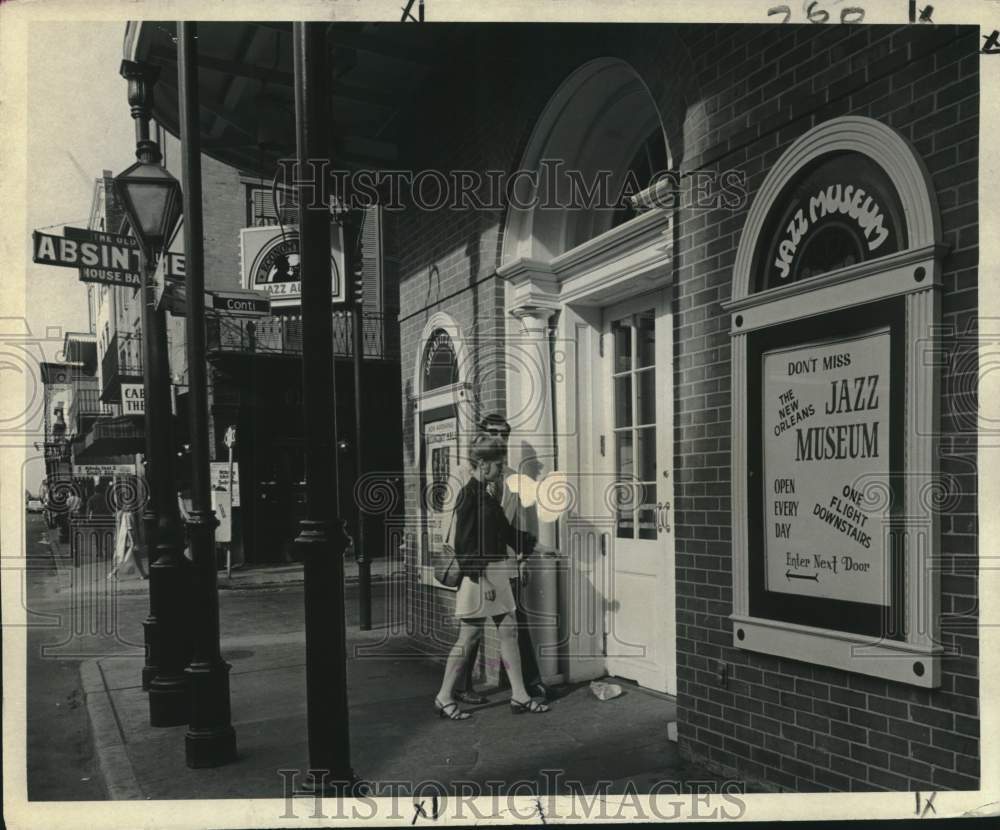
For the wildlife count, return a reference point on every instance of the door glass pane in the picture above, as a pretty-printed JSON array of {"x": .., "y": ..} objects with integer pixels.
[
  {"x": 624, "y": 523},
  {"x": 647, "y": 512},
  {"x": 624, "y": 463},
  {"x": 646, "y": 396},
  {"x": 645, "y": 451},
  {"x": 645, "y": 339},
  {"x": 621, "y": 332},
  {"x": 623, "y": 401}
]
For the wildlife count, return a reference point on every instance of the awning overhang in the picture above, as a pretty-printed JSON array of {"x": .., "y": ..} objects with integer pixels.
[
  {"x": 108, "y": 437},
  {"x": 247, "y": 96}
]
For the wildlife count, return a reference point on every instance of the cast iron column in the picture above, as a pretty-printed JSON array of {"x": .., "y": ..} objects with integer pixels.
[
  {"x": 211, "y": 739},
  {"x": 353, "y": 266},
  {"x": 321, "y": 541},
  {"x": 166, "y": 630}
]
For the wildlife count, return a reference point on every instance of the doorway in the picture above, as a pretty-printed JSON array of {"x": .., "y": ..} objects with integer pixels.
[{"x": 637, "y": 448}]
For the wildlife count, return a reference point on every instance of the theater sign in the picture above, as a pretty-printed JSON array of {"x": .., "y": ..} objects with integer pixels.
[{"x": 835, "y": 309}]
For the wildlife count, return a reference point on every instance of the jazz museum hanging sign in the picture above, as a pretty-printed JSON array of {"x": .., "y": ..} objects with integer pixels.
[
  {"x": 270, "y": 263},
  {"x": 825, "y": 433}
]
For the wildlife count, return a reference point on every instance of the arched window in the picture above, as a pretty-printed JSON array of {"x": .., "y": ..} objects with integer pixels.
[
  {"x": 440, "y": 363},
  {"x": 441, "y": 423}
]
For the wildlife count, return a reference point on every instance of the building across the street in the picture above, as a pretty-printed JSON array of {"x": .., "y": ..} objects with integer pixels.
[{"x": 721, "y": 280}]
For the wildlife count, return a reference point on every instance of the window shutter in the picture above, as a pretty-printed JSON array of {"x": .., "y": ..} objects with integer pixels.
[
  {"x": 263, "y": 211},
  {"x": 371, "y": 258}
]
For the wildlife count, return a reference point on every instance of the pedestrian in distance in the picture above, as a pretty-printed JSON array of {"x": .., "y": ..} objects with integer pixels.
[{"x": 482, "y": 535}]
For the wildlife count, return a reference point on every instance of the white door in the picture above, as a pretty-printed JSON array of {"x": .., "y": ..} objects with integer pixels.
[{"x": 638, "y": 451}]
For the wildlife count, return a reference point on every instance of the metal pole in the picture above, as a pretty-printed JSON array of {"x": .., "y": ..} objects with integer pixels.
[
  {"x": 151, "y": 625},
  {"x": 211, "y": 739},
  {"x": 168, "y": 635},
  {"x": 321, "y": 541},
  {"x": 351, "y": 246}
]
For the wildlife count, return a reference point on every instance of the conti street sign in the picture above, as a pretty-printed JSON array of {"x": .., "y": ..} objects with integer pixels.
[
  {"x": 100, "y": 257},
  {"x": 238, "y": 303}
]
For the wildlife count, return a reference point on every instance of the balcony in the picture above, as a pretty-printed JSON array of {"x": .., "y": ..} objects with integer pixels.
[
  {"x": 282, "y": 335},
  {"x": 121, "y": 362},
  {"x": 87, "y": 407}
]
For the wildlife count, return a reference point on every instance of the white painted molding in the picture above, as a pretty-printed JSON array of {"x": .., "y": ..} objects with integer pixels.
[
  {"x": 887, "y": 659},
  {"x": 874, "y": 139},
  {"x": 631, "y": 258},
  {"x": 458, "y": 394}
]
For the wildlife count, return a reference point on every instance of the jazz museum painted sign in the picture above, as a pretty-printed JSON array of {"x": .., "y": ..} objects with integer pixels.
[
  {"x": 270, "y": 262},
  {"x": 825, "y": 437}
]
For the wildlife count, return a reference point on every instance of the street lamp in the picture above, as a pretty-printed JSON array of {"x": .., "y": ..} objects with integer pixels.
[{"x": 151, "y": 200}]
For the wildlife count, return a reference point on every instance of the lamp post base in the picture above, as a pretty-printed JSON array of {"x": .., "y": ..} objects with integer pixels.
[
  {"x": 150, "y": 670},
  {"x": 211, "y": 740},
  {"x": 210, "y": 748},
  {"x": 169, "y": 700}
]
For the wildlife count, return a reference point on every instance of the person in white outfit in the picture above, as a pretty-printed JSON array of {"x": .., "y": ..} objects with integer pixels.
[{"x": 482, "y": 535}]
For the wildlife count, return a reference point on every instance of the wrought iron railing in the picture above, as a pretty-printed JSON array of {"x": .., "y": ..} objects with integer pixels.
[
  {"x": 88, "y": 402},
  {"x": 282, "y": 335},
  {"x": 123, "y": 358}
]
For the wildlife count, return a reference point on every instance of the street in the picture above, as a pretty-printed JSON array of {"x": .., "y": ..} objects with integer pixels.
[{"x": 61, "y": 762}]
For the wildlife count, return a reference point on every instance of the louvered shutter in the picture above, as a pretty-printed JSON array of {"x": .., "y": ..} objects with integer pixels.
[{"x": 371, "y": 259}]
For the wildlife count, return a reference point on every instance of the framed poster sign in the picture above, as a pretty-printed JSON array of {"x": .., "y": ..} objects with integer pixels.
[
  {"x": 440, "y": 467},
  {"x": 824, "y": 450},
  {"x": 836, "y": 402}
]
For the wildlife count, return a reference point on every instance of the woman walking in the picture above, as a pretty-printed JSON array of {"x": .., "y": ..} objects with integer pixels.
[{"x": 482, "y": 534}]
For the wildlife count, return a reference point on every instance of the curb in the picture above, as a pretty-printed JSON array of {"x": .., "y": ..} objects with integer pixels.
[{"x": 109, "y": 743}]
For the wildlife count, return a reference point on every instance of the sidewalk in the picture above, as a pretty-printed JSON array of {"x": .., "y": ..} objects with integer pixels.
[{"x": 397, "y": 741}]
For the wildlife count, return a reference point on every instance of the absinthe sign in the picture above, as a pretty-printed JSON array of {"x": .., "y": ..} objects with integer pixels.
[{"x": 826, "y": 439}]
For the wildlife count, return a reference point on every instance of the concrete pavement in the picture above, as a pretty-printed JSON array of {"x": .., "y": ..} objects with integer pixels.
[{"x": 398, "y": 743}]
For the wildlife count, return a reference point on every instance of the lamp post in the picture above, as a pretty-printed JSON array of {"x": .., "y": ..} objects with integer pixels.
[
  {"x": 353, "y": 224},
  {"x": 210, "y": 740},
  {"x": 321, "y": 541},
  {"x": 151, "y": 199}
]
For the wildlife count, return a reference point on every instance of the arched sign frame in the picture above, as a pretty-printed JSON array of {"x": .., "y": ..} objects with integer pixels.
[
  {"x": 433, "y": 406},
  {"x": 900, "y": 291}
]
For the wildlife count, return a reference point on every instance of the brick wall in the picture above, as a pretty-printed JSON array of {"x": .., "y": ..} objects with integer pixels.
[
  {"x": 223, "y": 214},
  {"x": 736, "y": 97},
  {"x": 789, "y": 724}
]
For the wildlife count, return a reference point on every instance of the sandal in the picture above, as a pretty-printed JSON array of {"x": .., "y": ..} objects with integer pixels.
[
  {"x": 450, "y": 710},
  {"x": 531, "y": 706},
  {"x": 471, "y": 698}
]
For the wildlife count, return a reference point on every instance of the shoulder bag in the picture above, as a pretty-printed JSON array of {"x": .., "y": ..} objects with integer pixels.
[{"x": 447, "y": 570}]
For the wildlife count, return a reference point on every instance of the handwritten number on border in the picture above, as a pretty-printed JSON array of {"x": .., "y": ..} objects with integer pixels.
[{"x": 816, "y": 14}]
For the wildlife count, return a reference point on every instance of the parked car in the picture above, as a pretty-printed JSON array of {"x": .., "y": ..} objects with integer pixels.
[{"x": 34, "y": 504}]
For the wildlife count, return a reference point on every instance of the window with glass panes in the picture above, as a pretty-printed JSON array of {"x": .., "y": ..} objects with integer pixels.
[{"x": 635, "y": 425}]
